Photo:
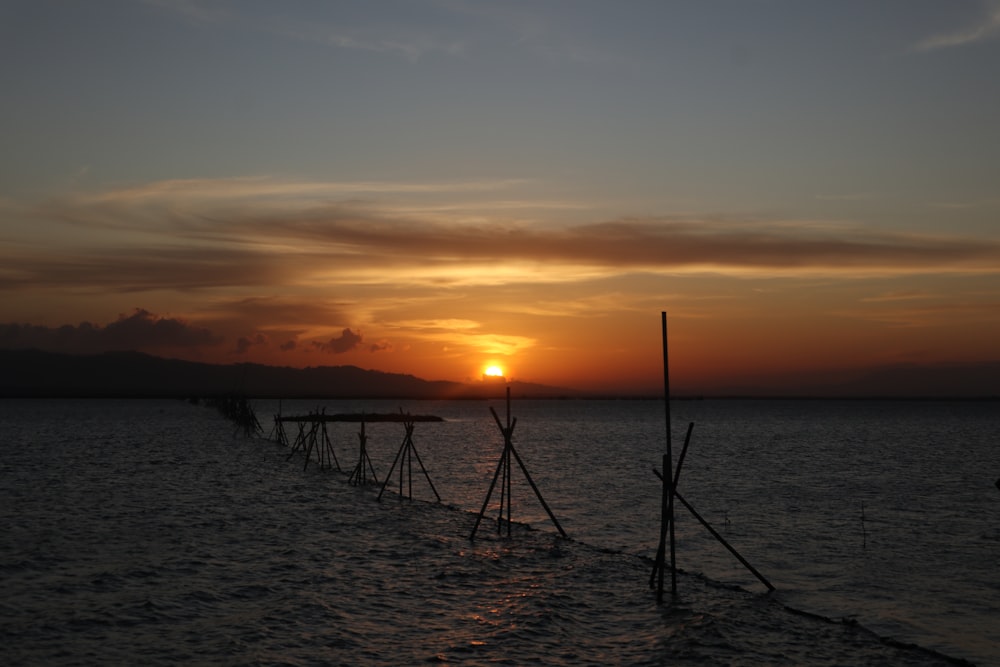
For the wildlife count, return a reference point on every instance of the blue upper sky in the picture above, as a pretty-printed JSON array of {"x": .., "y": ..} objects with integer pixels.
[{"x": 766, "y": 106}]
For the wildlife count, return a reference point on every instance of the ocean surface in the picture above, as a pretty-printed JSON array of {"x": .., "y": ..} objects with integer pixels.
[{"x": 154, "y": 532}]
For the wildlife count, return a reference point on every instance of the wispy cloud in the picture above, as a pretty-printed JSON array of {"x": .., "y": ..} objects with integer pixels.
[
  {"x": 966, "y": 205},
  {"x": 300, "y": 271},
  {"x": 482, "y": 341},
  {"x": 289, "y": 310},
  {"x": 930, "y": 313},
  {"x": 901, "y": 295},
  {"x": 447, "y": 27},
  {"x": 197, "y": 235},
  {"x": 411, "y": 42},
  {"x": 987, "y": 27},
  {"x": 462, "y": 332},
  {"x": 437, "y": 326},
  {"x": 182, "y": 191}
]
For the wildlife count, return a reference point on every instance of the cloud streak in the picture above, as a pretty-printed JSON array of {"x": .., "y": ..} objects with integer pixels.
[
  {"x": 407, "y": 41},
  {"x": 211, "y": 237},
  {"x": 988, "y": 27}
]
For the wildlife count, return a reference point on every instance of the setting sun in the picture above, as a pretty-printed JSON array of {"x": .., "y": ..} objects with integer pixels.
[{"x": 453, "y": 237}]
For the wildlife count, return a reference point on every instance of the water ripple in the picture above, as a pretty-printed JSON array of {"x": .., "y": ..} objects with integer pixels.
[{"x": 147, "y": 534}]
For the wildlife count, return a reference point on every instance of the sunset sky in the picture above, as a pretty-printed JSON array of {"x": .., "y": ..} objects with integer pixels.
[{"x": 434, "y": 187}]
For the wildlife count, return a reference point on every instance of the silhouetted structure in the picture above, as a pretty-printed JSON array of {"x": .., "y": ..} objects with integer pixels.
[
  {"x": 404, "y": 457},
  {"x": 670, "y": 477},
  {"x": 238, "y": 409},
  {"x": 360, "y": 473},
  {"x": 314, "y": 437},
  {"x": 505, "y": 466}
]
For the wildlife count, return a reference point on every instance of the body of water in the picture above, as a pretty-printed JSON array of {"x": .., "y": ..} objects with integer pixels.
[{"x": 148, "y": 532}]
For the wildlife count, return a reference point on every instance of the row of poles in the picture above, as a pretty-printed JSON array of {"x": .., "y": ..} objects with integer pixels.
[{"x": 313, "y": 439}]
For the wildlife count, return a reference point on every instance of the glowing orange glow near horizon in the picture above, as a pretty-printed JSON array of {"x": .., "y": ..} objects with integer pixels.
[{"x": 475, "y": 244}]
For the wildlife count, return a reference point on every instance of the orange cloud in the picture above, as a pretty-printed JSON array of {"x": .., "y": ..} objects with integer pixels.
[
  {"x": 293, "y": 274},
  {"x": 219, "y": 239}
]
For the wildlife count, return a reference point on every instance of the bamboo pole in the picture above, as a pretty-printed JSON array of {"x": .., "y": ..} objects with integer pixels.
[
  {"x": 388, "y": 475},
  {"x": 310, "y": 443},
  {"x": 299, "y": 441},
  {"x": 509, "y": 438},
  {"x": 505, "y": 481},
  {"x": 421, "y": 463},
  {"x": 722, "y": 541},
  {"x": 667, "y": 497},
  {"x": 677, "y": 476},
  {"x": 537, "y": 493},
  {"x": 719, "y": 537},
  {"x": 489, "y": 493},
  {"x": 331, "y": 454},
  {"x": 360, "y": 474},
  {"x": 407, "y": 450}
]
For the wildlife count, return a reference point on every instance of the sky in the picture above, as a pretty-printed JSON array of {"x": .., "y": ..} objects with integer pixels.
[{"x": 431, "y": 187}]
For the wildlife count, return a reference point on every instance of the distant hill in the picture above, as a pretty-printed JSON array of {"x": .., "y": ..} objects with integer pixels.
[{"x": 33, "y": 373}]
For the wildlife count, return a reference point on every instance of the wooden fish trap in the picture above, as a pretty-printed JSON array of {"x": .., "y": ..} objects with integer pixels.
[
  {"x": 314, "y": 439},
  {"x": 503, "y": 473}
]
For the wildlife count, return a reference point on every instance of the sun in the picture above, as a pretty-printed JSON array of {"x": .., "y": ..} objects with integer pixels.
[{"x": 494, "y": 371}]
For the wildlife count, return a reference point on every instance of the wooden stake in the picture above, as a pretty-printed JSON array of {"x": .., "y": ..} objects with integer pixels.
[
  {"x": 677, "y": 477},
  {"x": 667, "y": 498}
]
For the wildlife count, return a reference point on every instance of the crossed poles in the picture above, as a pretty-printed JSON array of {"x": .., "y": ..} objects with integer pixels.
[
  {"x": 360, "y": 473},
  {"x": 659, "y": 564},
  {"x": 505, "y": 466},
  {"x": 407, "y": 450},
  {"x": 670, "y": 477}
]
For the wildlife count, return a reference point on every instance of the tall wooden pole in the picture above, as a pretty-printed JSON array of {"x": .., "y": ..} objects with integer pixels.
[
  {"x": 507, "y": 476},
  {"x": 667, "y": 501}
]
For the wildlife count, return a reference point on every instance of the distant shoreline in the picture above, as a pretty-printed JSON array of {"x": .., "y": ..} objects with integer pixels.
[
  {"x": 39, "y": 374},
  {"x": 57, "y": 395}
]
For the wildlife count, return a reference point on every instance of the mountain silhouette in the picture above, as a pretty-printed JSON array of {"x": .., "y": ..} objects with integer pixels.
[{"x": 34, "y": 373}]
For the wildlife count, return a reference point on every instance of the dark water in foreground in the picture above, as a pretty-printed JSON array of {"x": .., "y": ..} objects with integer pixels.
[{"x": 143, "y": 532}]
